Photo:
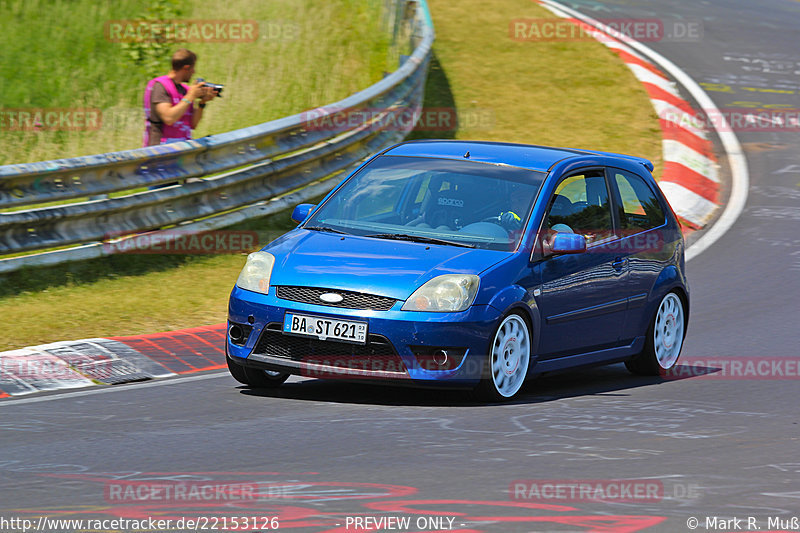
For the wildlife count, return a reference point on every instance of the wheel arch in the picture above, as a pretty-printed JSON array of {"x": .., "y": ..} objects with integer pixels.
[
  {"x": 669, "y": 280},
  {"x": 516, "y": 298}
]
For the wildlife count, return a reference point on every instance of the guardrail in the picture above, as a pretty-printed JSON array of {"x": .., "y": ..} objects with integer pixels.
[{"x": 269, "y": 159}]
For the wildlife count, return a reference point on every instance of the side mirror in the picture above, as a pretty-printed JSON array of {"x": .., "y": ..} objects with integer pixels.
[
  {"x": 301, "y": 212},
  {"x": 568, "y": 243}
]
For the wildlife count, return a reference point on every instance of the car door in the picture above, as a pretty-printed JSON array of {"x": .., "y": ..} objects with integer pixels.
[
  {"x": 583, "y": 296},
  {"x": 641, "y": 220}
]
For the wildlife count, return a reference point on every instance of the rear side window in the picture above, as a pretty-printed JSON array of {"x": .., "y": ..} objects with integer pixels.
[{"x": 640, "y": 207}]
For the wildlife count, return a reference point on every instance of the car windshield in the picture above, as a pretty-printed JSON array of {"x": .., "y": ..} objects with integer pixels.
[{"x": 437, "y": 201}]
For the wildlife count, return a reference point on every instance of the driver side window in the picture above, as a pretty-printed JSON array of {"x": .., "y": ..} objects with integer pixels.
[{"x": 580, "y": 205}]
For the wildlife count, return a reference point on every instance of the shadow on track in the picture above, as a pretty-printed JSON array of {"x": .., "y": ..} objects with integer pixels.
[{"x": 612, "y": 380}]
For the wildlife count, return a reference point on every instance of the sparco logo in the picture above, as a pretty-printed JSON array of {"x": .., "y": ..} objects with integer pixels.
[{"x": 451, "y": 201}]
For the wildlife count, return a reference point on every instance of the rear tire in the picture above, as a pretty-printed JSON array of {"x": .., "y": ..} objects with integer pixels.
[
  {"x": 506, "y": 366},
  {"x": 664, "y": 339},
  {"x": 265, "y": 379}
]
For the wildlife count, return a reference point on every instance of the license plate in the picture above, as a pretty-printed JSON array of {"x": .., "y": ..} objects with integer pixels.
[{"x": 325, "y": 328}]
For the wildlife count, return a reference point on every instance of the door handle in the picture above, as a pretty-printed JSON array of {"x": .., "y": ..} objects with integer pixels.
[{"x": 619, "y": 263}]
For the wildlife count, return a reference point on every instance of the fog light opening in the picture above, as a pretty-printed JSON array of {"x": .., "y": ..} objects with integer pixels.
[
  {"x": 236, "y": 333},
  {"x": 440, "y": 357}
]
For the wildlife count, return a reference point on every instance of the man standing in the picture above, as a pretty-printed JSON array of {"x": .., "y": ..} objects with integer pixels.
[{"x": 170, "y": 113}]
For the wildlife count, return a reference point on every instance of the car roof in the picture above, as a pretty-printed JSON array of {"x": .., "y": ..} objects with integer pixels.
[{"x": 531, "y": 157}]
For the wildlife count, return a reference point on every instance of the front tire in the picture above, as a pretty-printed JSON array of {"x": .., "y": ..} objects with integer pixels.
[
  {"x": 664, "y": 339},
  {"x": 509, "y": 357},
  {"x": 265, "y": 379}
]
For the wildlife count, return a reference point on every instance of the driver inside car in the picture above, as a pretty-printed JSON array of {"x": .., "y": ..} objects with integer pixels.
[{"x": 513, "y": 218}]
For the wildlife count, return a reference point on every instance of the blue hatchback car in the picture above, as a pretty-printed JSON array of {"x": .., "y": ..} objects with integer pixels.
[{"x": 468, "y": 264}]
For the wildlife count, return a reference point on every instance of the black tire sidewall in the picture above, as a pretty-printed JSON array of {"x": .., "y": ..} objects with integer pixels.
[
  {"x": 236, "y": 370},
  {"x": 253, "y": 377},
  {"x": 646, "y": 362}
]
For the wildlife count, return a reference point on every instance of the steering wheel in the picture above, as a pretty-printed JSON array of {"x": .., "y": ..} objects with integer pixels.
[
  {"x": 440, "y": 217},
  {"x": 509, "y": 226}
]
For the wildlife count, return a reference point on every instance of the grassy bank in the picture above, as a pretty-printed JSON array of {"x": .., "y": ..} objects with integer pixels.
[
  {"x": 567, "y": 94},
  {"x": 576, "y": 94}
]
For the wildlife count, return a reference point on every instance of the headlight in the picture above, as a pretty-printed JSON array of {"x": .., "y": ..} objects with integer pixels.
[
  {"x": 256, "y": 272},
  {"x": 446, "y": 293}
]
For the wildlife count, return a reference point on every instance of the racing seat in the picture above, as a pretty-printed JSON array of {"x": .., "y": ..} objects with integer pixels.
[{"x": 446, "y": 206}]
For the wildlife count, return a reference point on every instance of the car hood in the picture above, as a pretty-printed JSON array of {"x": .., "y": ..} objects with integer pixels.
[{"x": 374, "y": 266}]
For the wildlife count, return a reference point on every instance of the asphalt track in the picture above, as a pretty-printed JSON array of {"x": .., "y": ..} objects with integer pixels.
[{"x": 319, "y": 452}]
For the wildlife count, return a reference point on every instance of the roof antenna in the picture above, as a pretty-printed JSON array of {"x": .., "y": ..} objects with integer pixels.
[{"x": 466, "y": 156}]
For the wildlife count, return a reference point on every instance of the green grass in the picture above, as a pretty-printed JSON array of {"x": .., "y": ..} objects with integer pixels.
[
  {"x": 565, "y": 94},
  {"x": 55, "y": 54},
  {"x": 123, "y": 294},
  {"x": 576, "y": 94}
]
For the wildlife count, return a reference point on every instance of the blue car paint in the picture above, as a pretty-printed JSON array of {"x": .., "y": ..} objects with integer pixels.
[
  {"x": 389, "y": 268},
  {"x": 518, "y": 155},
  {"x": 301, "y": 212},
  {"x": 469, "y": 329},
  {"x": 509, "y": 280}
]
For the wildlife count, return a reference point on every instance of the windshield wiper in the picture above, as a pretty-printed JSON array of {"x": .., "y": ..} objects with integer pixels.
[
  {"x": 418, "y": 238},
  {"x": 327, "y": 229}
]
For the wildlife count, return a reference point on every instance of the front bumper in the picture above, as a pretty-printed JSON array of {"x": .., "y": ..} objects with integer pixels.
[{"x": 395, "y": 341}]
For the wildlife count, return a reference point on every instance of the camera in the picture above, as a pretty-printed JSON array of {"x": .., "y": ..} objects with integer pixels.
[{"x": 216, "y": 87}]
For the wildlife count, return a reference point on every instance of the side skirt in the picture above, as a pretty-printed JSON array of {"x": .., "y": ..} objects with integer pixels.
[{"x": 599, "y": 357}]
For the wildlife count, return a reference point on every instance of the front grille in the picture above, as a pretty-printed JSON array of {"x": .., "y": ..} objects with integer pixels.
[
  {"x": 352, "y": 300},
  {"x": 376, "y": 355}
]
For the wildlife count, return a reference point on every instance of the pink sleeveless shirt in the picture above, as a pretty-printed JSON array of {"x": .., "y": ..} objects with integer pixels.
[{"x": 182, "y": 129}]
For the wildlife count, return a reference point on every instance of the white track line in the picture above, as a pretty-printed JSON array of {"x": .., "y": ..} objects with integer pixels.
[
  {"x": 627, "y": 49},
  {"x": 113, "y": 388},
  {"x": 740, "y": 176}
]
